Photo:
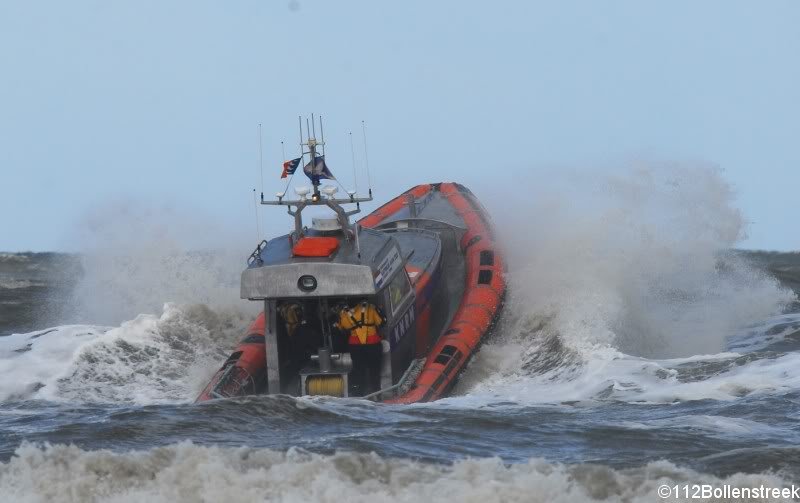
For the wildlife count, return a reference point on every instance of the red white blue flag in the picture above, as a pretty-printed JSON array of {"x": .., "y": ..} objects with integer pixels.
[{"x": 289, "y": 167}]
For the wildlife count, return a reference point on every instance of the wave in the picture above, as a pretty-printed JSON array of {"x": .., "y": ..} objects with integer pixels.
[
  {"x": 168, "y": 358},
  {"x": 617, "y": 279},
  {"x": 14, "y": 258},
  {"x": 609, "y": 375},
  {"x": 150, "y": 359},
  {"x": 188, "y": 472},
  {"x": 15, "y": 284}
]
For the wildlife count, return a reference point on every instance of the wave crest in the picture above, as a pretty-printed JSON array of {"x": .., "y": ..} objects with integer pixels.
[{"x": 187, "y": 472}]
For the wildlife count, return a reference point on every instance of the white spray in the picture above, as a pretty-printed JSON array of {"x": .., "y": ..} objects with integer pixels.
[{"x": 603, "y": 266}]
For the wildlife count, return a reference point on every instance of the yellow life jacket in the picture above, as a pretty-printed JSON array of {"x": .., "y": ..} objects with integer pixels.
[
  {"x": 291, "y": 315},
  {"x": 362, "y": 322}
]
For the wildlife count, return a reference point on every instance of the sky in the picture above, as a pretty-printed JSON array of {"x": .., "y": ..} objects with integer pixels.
[{"x": 109, "y": 103}]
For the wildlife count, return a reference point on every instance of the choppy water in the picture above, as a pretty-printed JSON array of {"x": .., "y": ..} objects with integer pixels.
[
  {"x": 105, "y": 413},
  {"x": 634, "y": 351}
]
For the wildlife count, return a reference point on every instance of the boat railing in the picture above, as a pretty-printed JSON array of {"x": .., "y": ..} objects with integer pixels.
[
  {"x": 408, "y": 376},
  {"x": 255, "y": 257},
  {"x": 235, "y": 378}
]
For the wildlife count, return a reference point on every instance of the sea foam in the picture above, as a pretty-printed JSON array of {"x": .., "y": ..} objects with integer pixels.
[{"x": 192, "y": 473}]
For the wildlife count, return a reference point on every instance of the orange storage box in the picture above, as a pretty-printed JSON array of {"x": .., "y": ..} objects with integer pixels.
[{"x": 315, "y": 247}]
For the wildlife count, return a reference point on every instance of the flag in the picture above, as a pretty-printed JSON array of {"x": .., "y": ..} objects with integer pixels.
[
  {"x": 290, "y": 166},
  {"x": 318, "y": 170}
]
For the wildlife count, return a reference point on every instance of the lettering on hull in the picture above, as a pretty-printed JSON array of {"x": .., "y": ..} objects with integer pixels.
[{"x": 401, "y": 329}]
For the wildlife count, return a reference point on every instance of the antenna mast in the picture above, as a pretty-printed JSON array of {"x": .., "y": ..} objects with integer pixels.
[
  {"x": 261, "y": 159},
  {"x": 366, "y": 156},
  {"x": 312, "y": 144},
  {"x": 296, "y": 206},
  {"x": 302, "y": 153},
  {"x": 353, "y": 155},
  {"x": 322, "y": 134},
  {"x": 258, "y": 222}
]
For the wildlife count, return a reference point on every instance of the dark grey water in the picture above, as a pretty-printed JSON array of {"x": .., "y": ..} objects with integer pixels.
[
  {"x": 544, "y": 413},
  {"x": 28, "y": 283}
]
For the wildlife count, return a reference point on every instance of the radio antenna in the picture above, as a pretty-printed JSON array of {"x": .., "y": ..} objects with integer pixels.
[
  {"x": 302, "y": 154},
  {"x": 258, "y": 222},
  {"x": 261, "y": 159},
  {"x": 353, "y": 155},
  {"x": 366, "y": 156},
  {"x": 313, "y": 125},
  {"x": 322, "y": 134},
  {"x": 283, "y": 152}
]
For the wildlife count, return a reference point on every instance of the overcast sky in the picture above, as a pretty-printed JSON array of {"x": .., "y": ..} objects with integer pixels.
[{"x": 159, "y": 101}]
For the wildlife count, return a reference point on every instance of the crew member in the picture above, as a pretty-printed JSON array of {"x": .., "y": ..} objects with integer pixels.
[
  {"x": 292, "y": 314},
  {"x": 361, "y": 323}
]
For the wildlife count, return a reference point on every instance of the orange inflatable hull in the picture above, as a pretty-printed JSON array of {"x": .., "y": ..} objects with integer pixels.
[{"x": 484, "y": 292}]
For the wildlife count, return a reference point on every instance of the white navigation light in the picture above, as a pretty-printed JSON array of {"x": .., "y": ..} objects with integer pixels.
[
  {"x": 302, "y": 191},
  {"x": 280, "y": 195},
  {"x": 330, "y": 190}
]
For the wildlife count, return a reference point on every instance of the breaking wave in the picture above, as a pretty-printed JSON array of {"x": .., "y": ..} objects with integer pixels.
[
  {"x": 187, "y": 472},
  {"x": 150, "y": 359},
  {"x": 155, "y": 306},
  {"x": 619, "y": 289}
]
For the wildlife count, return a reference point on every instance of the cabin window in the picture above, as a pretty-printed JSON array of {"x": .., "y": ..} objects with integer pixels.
[
  {"x": 485, "y": 277},
  {"x": 487, "y": 257},
  {"x": 398, "y": 290}
]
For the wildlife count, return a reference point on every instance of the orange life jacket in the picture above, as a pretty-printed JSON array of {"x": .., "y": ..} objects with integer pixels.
[{"x": 362, "y": 322}]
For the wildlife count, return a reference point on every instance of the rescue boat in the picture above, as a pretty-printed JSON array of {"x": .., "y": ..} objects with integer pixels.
[{"x": 428, "y": 261}]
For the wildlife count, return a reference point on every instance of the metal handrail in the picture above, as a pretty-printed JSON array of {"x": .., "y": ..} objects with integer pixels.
[
  {"x": 399, "y": 384},
  {"x": 256, "y": 255},
  {"x": 224, "y": 381}
]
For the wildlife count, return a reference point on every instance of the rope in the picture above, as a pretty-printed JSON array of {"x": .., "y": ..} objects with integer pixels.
[{"x": 325, "y": 385}]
